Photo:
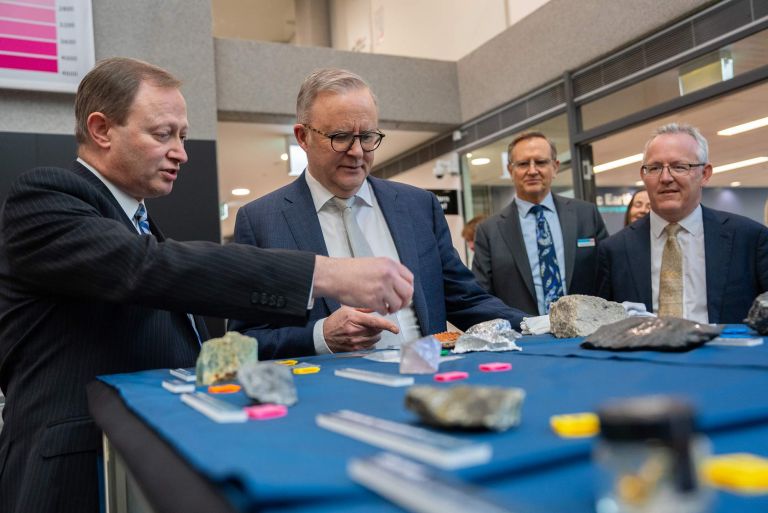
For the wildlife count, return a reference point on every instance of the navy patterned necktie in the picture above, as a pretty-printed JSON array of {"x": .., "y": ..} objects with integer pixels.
[
  {"x": 142, "y": 220},
  {"x": 548, "y": 267}
]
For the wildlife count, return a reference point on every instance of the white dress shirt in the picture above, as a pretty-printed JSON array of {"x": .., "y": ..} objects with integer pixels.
[
  {"x": 691, "y": 239},
  {"x": 372, "y": 223},
  {"x": 528, "y": 227}
]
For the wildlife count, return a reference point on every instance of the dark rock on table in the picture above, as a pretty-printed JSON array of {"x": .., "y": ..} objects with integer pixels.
[
  {"x": 651, "y": 333},
  {"x": 757, "y": 319}
]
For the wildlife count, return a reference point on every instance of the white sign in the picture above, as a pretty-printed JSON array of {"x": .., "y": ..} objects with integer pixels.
[{"x": 45, "y": 45}]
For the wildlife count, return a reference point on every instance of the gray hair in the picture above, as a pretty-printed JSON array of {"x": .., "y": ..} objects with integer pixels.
[
  {"x": 327, "y": 79},
  {"x": 681, "y": 128}
]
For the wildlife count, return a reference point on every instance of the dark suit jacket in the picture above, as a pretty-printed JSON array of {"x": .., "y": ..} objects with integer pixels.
[
  {"x": 501, "y": 261},
  {"x": 83, "y": 294},
  {"x": 443, "y": 286},
  {"x": 736, "y": 254}
]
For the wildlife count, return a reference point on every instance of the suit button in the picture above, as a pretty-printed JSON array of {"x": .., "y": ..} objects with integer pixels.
[
  {"x": 272, "y": 300},
  {"x": 255, "y": 298},
  {"x": 280, "y": 302},
  {"x": 264, "y": 298}
]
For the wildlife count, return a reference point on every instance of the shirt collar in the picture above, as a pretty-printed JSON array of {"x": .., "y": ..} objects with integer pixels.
[
  {"x": 128, "y": 203},
  {"x": 523, "y": 206},
  {"x": 321, "y": 195},
  {"x": 693, "y": 223}
]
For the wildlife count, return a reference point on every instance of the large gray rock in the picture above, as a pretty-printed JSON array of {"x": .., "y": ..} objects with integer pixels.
[
  {"x": 467, "y": 406},
  {"x": 757, "y": 319},
  {"x": 652, "y": 333},
  {"x": 220, "y": 358},
  {"x": 268, "y": 382},
  {"x": 578, "y": 315}
]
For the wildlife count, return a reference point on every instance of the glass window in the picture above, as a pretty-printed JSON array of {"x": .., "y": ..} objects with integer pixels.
[{"x": 727, "y": 62}]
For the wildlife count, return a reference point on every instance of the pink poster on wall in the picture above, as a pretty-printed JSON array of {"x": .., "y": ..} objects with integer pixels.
[{"x": 45, "y": 45}]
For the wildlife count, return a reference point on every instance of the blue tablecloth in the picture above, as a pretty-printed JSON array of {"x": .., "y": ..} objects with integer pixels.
[{"x": 290, "y": 462}]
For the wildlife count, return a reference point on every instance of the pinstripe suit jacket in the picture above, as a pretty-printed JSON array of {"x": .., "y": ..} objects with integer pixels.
[{"x": 83, "y": 294}]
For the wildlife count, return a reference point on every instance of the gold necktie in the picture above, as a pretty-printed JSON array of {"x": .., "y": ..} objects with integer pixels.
[{"x": 671, "y": 275}]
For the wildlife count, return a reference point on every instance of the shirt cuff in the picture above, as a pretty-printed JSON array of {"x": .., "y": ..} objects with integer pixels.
[{"x": 317, "y": 334}]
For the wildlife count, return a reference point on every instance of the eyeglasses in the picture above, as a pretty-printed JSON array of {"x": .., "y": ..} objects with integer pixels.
[
  {"x": 342, "y": 141},
  {"x": 525, "y": 165},
  {"x": 677, "y": 169}
]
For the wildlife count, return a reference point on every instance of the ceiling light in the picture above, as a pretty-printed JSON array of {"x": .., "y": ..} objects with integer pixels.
[
  {"x": 735, "y": 184},
  {"x": 744, "y": 127},
  {"x": 737, "y": 165},
  {"x": 469, "y": 155},
  {"x": 480, "y": 161},
  {"x": 284, "y": 156},
  {"x": 618, "y": 163},
  {"x": 639, "y": 183},
  {"x": 241, "y": 192}
]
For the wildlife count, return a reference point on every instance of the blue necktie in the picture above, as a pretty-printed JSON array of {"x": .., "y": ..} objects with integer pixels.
[
  {"x": 142, "y": 219},
  {"x": 548, "y": 268}
]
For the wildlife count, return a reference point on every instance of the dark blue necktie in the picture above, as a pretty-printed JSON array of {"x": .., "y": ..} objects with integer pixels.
[
  {"x": 548, "y": 268},
  {"x": 142, "y": 219}
]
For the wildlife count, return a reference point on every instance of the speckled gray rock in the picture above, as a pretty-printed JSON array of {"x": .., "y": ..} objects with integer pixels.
[
  {"x": 652, "y": 333},
  {"x": 466, "y": 406},
  {"x": 420, "y": 356},
  {"x": 268, "y": 382},
  {"x": 220, "y": 358},
  {"x": 578, "y": 315},
  {"x": 757, "y": 319}
]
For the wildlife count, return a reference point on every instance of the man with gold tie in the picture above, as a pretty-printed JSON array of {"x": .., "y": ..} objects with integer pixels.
[
  {"x": 684, "y": 259},
  {"x": 334, "y": 208}
]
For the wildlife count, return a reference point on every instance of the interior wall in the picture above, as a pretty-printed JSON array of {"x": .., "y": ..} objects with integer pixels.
[
  {"x": 429, "y": 29},
  {"x": 560, "y": 35}
]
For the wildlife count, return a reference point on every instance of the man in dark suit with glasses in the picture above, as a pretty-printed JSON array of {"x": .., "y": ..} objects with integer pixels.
[
  {"x": 542, "y": 245},
  {"x": 684, "y": 259},
  {"x": 334, "y": 208}
]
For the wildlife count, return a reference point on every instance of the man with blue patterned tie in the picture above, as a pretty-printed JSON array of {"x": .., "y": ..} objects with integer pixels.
[
  {"x": 542, "y": 246},
  {"x": 89, "y": 285}
]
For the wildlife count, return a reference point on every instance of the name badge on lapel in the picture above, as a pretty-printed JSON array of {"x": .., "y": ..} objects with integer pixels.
[{"x": 585, "y": 243}]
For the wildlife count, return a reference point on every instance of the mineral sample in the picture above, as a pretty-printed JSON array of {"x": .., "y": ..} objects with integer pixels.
[
  {"x": 267, "y": 382},
  {"x": 757, "y": 319},
  {"x": 221, "y": 357},
  {"x": 493, "y": 335},
  {"x": 578, "y": 315},
  {"x": 651, "y": 333},
  {"x": 466, "y": 406},
  {"x": 420, "y": 356}
]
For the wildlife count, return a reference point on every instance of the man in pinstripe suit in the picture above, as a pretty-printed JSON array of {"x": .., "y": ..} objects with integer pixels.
[{"x": 88, "y": 288}]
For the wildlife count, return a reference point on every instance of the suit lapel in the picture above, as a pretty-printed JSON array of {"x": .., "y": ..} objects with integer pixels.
[
  {"x": 567, "y": 216},
  {"x": 718, "y": 242},
  {"x": 85, "y": 173},
  {"x": 401, "y": 228},
  {"x": 638, "y": 251},
  {"x": 509, "y": 228},
  {"x": 300, "y": 216}
]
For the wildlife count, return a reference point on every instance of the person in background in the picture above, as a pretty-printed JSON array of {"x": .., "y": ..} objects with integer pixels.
[
  {"x": 90, "y": 286},
  {"x": 335, "y": 208},
  {"x": 638, "y": 207},
  {"x": 541, "y": 246},
  {"x": 684, "y": 259},
  {"x": 469, "y": 230}
]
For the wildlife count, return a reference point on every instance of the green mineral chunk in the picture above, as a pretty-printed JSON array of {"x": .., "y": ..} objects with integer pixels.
[{"x": 220, "y": 358}]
